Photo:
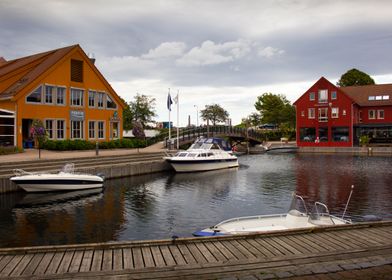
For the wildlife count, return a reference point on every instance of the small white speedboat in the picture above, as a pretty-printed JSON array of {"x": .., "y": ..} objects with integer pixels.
[
  {"x": 204, "y": 154},
  {"x": 65, "y": 180},
  {"x": 294, "y": 219}
]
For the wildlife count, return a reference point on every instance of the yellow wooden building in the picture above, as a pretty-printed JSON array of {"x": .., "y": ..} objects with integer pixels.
[{"x": 65, "y": 90}]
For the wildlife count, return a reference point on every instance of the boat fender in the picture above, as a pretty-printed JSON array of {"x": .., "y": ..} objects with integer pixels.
[{"x": 371, "y": 218}]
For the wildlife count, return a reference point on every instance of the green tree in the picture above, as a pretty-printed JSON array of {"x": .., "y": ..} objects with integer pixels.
[
  {"x": 254, "y": 119},
  {"x": 39, "y": 133},
  {"x": 214, "y": 113},
  {"x": 354, "y": 77},
  {"x": 141, "y": 109},
  {"x": 275, "y": 109}
]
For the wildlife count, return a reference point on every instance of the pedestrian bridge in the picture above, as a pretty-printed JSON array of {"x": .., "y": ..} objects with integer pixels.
[{"x": 235, "y": 134}]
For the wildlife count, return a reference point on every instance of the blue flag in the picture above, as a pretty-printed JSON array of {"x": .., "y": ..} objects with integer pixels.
[{"x": 169, "y": 102}]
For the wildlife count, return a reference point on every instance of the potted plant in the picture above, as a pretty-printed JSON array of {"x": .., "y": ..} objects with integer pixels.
[
  {"x": 38, "y": 132},
  {"x": 364, "y": 140}
]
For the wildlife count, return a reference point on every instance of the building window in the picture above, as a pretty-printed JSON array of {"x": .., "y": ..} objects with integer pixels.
[
  {"x": 307, "y": 134},
  {"x": 101, "y": 130},
  {"x": 323, "y": 114},
  {"x": 77, "y": 129},
  {"x": 372, "y": 114},
  {"x": 323, "y": 96},
  {"x": 311, "y": 113},
  {"x": 340, "y": 134},
  {"x": 333, "y": 95},
  {"x": 35, "y": 96},
  {"x": 110, "y": 103},
  {"x": 91, "y": 129},
  {"x": 49, "y": 128},
  {"x": 312, "y": 96},
  {"x": 49, "y": 93},
  {"x": 60, "y": 96},
  {"x": 360, "y": 116},
  {"x": 101, "y": 97},
  {"x": 76, "y": 97},
  {"x": 302, "y": 113},
  {"x": 76, "y": 71},
  {"x": 91, "y": 98},
  {"x": 380, "y": 114},
  {"x": 335, "y": 113},
  {"x": 60, "y": 129},
  {"x": 323, "y": 134}
]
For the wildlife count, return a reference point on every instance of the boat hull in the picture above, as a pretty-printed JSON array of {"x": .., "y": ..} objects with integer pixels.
[
  {"x": 52, "y": 182},
  {"x": 202, "y": 165}
]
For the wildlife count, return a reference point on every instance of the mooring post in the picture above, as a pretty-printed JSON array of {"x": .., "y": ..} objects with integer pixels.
[{"x": 96, "y": 148}]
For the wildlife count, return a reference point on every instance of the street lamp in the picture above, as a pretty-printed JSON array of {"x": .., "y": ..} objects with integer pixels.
[{"x": 197, "y": 115}]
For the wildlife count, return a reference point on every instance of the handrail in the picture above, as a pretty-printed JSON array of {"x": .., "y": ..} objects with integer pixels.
[{"x": 326, "y": 210}]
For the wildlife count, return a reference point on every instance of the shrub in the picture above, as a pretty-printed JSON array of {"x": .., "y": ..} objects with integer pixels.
[{"x": 6, "y": 150}]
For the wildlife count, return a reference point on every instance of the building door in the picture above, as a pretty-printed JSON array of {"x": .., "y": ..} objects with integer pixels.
[
  {"x": 27, "y": 138},
  {"x": 7, "y": 128},
  {"x": 114, "y": 130}
]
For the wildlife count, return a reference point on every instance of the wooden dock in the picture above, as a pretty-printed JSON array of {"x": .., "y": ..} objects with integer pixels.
[{"x": 284, "y": 254}]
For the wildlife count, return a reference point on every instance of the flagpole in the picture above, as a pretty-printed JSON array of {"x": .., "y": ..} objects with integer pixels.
[
  {"x": 178, "y": 119},
  {"x": 169, "y": 124}
]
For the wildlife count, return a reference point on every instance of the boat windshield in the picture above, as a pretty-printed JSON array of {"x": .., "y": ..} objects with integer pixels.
[{"x": 298, "y": 206}]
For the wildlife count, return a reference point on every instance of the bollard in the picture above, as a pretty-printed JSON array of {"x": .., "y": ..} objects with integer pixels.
[{"x": 96, "y": 148}]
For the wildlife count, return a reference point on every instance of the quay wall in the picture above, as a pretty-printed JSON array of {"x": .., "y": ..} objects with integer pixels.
[
  {"x": 363, "y": 151},
  {"x": 110, "y": 171}
]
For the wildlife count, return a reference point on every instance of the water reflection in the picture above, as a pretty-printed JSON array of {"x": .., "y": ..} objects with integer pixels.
[{"x": 166, "y": 204}]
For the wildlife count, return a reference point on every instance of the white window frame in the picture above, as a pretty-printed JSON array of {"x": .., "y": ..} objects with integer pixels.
[
  {"x": 312, "y": 96},
  {"x": 64, "y": 93},
  {"x": 323, "y": 92},
  {"x": 112, "y": 130},
  {"x": 334, "y": 112},
  {"x": 99, "y": 95},
  {"x": 94, "y": 93},
  {"x": 93, "y": 130},
  {"x": 31, "y": 102},
  {"x": 371, "y": 114},
  {"x": 311, "y": 113},
  {"x": 323, "y": 118},
  {"x": 50, "y": 130},
  {"x": 78, "y": 95},
  {"x": 81, "y": 128},
  {"x": 108, "y": 97},
  {"x": 58, "y": 129},
  {"x": 334, "y": 95},
  {"x": 99, "y": 129},
  {"x": 379, "y": 117},
  {"x": 52, "y": 94}
]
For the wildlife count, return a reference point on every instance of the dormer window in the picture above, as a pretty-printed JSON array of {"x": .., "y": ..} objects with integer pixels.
[{"x": 323, "y": 96}]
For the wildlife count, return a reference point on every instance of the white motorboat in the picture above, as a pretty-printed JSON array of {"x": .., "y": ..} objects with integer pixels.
[
  {"x": 203, "y": 155},
  {"x": 294, "y": 219},
  {"x": 65, "y": 180}
]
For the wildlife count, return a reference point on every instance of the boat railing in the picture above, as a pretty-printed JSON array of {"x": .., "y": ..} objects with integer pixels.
[
  {"x": 303, "y": 202},
  {"x": 250, "y": 218},
  {"x": 319, "y": 214}
]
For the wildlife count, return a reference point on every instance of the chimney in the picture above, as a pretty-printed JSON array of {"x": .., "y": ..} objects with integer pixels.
[{"x": 92, "y": 58}]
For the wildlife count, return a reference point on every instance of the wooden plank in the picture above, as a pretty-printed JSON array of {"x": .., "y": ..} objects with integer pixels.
[
  {"x": 249, "y": 246},
  {"x": 310, "y": 246},
  {"x": 167, "y": 256},
  {"x": 96, "y": 263},
  {"x": 107, "y": 261},
  {"x": 378, "y": 235},
  {"x": 43, "y": 265},
  {"x": 324, "y": 242},
  {"x": 65, "y": 262},
  {"x": 128, "y": 258},
  {"x": 237, "y": 255},
  {"x": 4, "y": 261},
  {"x": 311, "y": 238},
  {"x": 179, "y": 259},
  {"x": 11, "y": 265},
  {"x": 35, "y": 261},
  {"x": 86, "y": 261},
  {"x": 331, "y": 240},
  {"x": 205, "y": 252},
  {"x": 279, "y": 245},
  {"x": 381, "y": 233},
  {"x": 137, "y": 257},
  {"x": 334, "y": 237},
  {"x": 214, "y": 251},
  {"x": 244, "y": 251},
  {"x": 157, "y": 255},
  {"x": 370, "y": 239},
  {"x": 186, "y": 254},
  {"x": 117, "y": 259},
  {"x": 76, "y": 261},
  {"x": 353, "y": 242},
  {"x": 196, "y": 253},
  {"x": 260, "y": 248},
  {"x": 298, "y": 244},
  {"x": 286, "y": 245},
  {"x": 55, "y": 263},
  {"x": 24, "y": 262},
  {"x": 272, "y": 251},
  {"x": 147, "y": 257}
]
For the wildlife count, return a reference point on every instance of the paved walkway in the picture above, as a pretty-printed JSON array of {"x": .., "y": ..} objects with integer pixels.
[{"x": 32, "y": 154}]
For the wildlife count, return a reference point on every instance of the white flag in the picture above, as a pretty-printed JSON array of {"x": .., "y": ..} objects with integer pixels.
[{"x": 175, "y": 99}]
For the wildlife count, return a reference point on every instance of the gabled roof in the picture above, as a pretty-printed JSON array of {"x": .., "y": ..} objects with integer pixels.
[
  {"x": 360, "y": 94},
  {"x": 18, "y": 73}
]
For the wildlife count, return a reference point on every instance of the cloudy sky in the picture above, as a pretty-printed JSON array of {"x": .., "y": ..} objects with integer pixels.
[{"x": 226, "y": 52}]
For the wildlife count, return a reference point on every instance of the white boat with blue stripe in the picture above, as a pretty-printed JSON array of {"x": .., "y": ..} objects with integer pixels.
[
  {"x": 204, "y": 154},
  {"x": 65, "y": 180}
]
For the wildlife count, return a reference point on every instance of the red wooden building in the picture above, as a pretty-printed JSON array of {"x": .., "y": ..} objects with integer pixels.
[{"x": 328, "y": 115}]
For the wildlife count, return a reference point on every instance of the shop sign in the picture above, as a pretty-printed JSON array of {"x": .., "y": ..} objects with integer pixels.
[{"x": 77, "y": 115}]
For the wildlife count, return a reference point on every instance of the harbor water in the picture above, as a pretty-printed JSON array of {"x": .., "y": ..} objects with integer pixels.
[{"x": 162, "y": 205}]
